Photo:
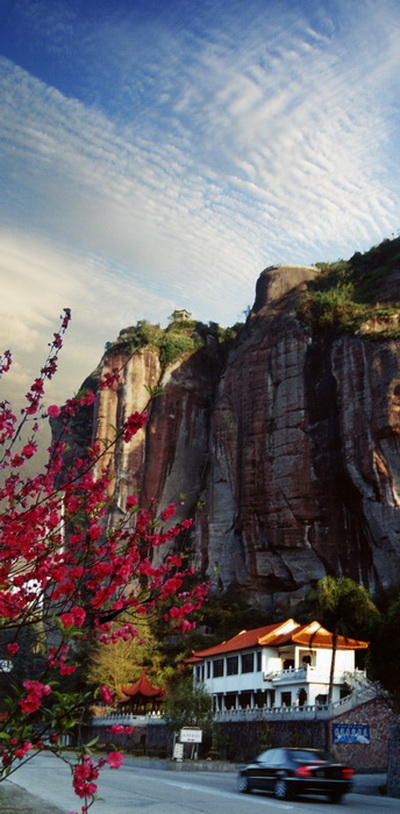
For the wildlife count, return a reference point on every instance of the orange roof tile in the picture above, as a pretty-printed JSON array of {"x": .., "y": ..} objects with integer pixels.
[
  {"x": 244, "y": 640},
  {"x": 284, "y": 633},
  {"x": 143, "y": 687},
  {"x": 314, "y": 635}
]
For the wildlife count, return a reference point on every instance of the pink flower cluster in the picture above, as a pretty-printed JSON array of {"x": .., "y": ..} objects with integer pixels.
[
  {"x": 33, "y": 700},
  {"x": 109, "y": 379},
  {"x": 83, "y": 777},
  {"x": 5, "y": 362},
  {"x": 75, "y": 616},
  {"x": 119, "y": 729},
  {"x": 107, "y": 695},
  {"x": 57, "y": 660},
  {"x": 64, "y": 570},
  {"x": 23, "y": 750},
  {"x": 85, "y": 773},
  {"x": 115, "y": 760},
  {"x": 133, "y": 424}
]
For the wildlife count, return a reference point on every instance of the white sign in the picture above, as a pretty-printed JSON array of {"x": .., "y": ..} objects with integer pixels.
[
  {"x": 178, "y": 751},
  {"x": 191, "y": 735}
]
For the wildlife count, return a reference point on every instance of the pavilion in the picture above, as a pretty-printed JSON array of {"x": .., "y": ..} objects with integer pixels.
[{"x": 141, "y": 696}]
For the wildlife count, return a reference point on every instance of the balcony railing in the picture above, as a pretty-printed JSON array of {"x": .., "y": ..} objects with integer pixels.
[
  {"x": 299, "y": 713},
  {"x": 308, "y": 673},
  {"x": 363, "y": 690},
  {"x": 127, "y": 719},
  {"x": 307, "y": 712}
]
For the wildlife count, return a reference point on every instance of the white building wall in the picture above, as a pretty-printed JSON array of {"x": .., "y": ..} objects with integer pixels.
[
  {"x": 314, "y": 678},
  {"x": 239, "y": 682}
]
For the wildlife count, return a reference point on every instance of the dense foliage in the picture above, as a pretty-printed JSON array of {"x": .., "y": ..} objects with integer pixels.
[
  {"x": 384, "y": 653},
  {"x": 187, "y": 705},
  {"x": 181, "y": 337}
]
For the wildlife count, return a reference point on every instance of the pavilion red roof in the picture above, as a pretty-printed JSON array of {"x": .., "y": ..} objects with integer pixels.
[{"x": 144, "y": 688}]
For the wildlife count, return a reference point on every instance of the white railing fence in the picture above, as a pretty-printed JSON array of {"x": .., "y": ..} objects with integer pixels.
[
  {"x": 127, "y": 719},
  {"x": 362, "y": 690}
]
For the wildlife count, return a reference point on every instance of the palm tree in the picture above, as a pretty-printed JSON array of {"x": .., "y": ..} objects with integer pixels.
[{"x": 343, "y": 607}]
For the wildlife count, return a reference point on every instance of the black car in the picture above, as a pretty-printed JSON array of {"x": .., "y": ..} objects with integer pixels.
[{"x": 291, "y": 771}]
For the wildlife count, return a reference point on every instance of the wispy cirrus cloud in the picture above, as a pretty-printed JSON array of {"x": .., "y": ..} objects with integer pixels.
[
  {"x": 156, "y": 158},
  {"x": 38, "y": 281}
]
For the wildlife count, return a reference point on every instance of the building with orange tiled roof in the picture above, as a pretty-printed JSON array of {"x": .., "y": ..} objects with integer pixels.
[
  {"x": 285, "y": 664},
  {"x": 141, "y": 696}
]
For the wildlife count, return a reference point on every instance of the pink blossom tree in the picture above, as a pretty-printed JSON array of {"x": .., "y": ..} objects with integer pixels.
[{"x": 67, "y": 573}]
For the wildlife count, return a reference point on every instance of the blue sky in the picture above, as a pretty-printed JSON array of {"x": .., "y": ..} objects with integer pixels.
[{"x": 159, "y": 154}]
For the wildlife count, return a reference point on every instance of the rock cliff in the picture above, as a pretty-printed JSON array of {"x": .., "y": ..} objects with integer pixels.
[{"x": 285, "y": 451}]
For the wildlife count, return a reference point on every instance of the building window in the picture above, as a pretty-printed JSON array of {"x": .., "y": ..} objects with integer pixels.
[
  {"x": 286, "y": 699},
  {"x": 232, "y": 665},
  {"x": 218, "y": 668},
  {"x": 247, "y": 662},
  {"x": 307, "y": 657},
  {"x": 209, "y": 669},
  {"x": 258, "y": 656}
]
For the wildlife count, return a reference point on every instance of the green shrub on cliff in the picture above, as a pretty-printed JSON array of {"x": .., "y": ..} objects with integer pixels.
[
  {"x": 345, "y": 296},
  {"x": 173, "y": 345},
  {"x": 180, "y": 337}
]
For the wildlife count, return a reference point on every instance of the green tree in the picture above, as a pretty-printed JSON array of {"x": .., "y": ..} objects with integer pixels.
[
  {"x": 187, "y": 705},
  {"x": 384, "y": 653},
  {"x": 344, "y": 607},
  {"x": 122, "y": 661}
]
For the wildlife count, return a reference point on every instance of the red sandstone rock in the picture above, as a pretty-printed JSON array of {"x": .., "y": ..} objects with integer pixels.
[{"x": 292, "y": 446}]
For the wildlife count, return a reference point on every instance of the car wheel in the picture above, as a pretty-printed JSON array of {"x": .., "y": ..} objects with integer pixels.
[
  {"x": 281, "y": 789},
  {"x": 243, "y": 784},
  {"x": 335, "y": 797}
]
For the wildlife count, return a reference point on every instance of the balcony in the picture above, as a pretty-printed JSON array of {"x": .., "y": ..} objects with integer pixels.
[
  {"x": 306, "y": 673},
  {"x": 298, "y": 675}
]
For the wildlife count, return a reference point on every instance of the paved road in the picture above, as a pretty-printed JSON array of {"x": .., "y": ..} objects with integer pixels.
[{"x": 160, "y": 791}]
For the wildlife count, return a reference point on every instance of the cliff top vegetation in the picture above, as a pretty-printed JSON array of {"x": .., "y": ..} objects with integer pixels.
[
  {"x": 359, "y": 295},
  {"x": 182, "y": 336}
]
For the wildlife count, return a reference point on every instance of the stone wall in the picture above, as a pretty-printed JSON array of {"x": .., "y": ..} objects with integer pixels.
[
  {"x": 151, "y": 740},
  {"x": 241, "y": 741},
  {"x": 235, "y": 741},
  {"x": 371, "y": 756}
]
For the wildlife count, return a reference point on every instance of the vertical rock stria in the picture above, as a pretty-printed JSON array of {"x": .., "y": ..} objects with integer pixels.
[{"x": 286, "y": 453}]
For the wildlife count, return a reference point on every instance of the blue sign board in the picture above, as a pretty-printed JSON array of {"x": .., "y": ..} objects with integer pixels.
[{"x": 350, "y": 733}]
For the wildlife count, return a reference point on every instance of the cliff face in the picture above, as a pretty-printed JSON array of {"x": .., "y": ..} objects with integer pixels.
[{"x": 287, "y": 454}]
